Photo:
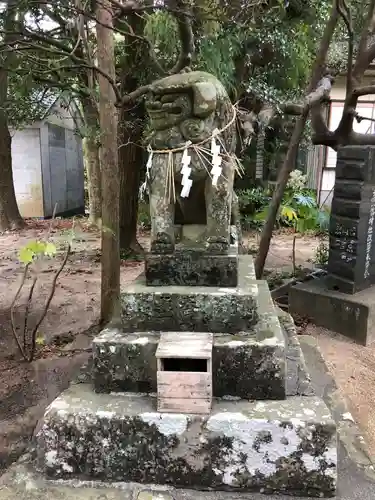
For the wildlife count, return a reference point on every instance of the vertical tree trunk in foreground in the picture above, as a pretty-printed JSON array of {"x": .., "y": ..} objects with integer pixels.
[
  {"x": 291, "y": 155},
  {"x": 10, "y": 217},
  {"x": 131, "y": 159},
  {"x": 130, "y": 133},
  {"x": 92, "y": 160},
  {"x": 110, "y": 290}
]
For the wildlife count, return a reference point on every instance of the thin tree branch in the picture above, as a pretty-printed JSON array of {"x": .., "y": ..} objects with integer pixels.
[
  {"x": 359, "y": 118},
  {"x": 47, "y": 304},
  {"x": 12, "y": 318},
  {"x": 345, "y": 13},
  {"x": 186, "y": 37},
  {"x": 365, "y": 90},
  {"x": 80, "y": 63},
  {"x": 28, "y": 304},
  {"x": 365, "y": 53},
  {"x": 133, "y": 96}
]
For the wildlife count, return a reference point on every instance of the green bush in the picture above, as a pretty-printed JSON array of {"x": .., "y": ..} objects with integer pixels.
[
  {"x": 301, "y": 212},
  {"x": 299, "y": 208},
  {"x": 252, "y": 201},
  {"x": 321, "y": 254}
]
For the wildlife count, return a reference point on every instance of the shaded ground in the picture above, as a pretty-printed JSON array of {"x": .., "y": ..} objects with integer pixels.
[
  {"x": 353, "y": 367},
  {"x": 26, "y": 389}
]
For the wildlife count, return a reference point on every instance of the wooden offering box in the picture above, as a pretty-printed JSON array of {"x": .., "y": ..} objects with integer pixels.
[{"x": 184, "y": 376}]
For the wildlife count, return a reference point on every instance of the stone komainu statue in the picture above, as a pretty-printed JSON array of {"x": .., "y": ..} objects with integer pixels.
[{"x": 182, "y": 108}]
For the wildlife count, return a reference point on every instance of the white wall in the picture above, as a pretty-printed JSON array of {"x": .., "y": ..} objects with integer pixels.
[
  {"x": 366, "y": 108},
  {"x": 364, "y": 127},
  {"x": 27, "y": 174}
]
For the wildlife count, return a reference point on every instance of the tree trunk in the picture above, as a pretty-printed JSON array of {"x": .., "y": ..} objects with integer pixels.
[
  {"x": 291, "y": 156},
  {"x": 110, "y": 289},
  {"x": 10, "y": 217},
  {"x": 93, "y": 181},
  {"x": 131, "y": 158},
  {"x": 130, "y": 132},
  {"x": 92, "y": 160}
]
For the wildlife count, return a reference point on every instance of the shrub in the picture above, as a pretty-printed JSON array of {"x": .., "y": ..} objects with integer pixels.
[
  {"x": 321, "y": 254},
  {"x": 299, "y": 208},
  {"x": 252, "y": 201}
]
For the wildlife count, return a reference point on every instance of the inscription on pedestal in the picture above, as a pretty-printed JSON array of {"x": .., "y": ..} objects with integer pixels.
[
  {"x": 351, "y": 256},
  {"x": 369, "y": 241}
]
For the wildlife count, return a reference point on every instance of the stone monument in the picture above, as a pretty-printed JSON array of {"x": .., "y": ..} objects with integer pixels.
[
  {"x": 193, "y": 390},
  {"x": 191, "y": 171},
  {"x": 352, "y": 249},
  {"x": 343, "y": 300}
]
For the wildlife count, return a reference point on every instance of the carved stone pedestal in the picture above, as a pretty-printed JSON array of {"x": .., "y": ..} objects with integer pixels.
[
  {"x": 200, "y": 331},
  {"x": 193, "y": 267}
]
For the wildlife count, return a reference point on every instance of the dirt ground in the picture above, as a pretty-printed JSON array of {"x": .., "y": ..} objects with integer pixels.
[
  {"x": 26, "y": 389},
  {"x": 71, "y": 322},
  {"x": 353, "y": 367}
]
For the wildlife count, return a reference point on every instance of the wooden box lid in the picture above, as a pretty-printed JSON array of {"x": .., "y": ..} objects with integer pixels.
[{"x": 193, "y": 345}]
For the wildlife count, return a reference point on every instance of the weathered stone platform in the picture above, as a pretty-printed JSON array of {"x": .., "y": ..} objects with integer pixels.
[
  {"x": 193, "y": 308},
  {"x": 192, "y": 267},
  {"x": 266, "y": 432},
  {"x": 350, "y": 315},
  {"x": 287, "y": 446},
  {"x": 247, "y": 337},
  {"x": 188, "y": 308},
  {"x": 126, "y": 362}
]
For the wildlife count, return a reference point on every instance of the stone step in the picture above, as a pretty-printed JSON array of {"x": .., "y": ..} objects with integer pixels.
[
  {"x": 285, "y": 446},
  {"x": 241, "y": 366},
  {"x": 190, "y": 308},
  {"x": 191, "y": 265},
  {"x": 249, "y": 364}
]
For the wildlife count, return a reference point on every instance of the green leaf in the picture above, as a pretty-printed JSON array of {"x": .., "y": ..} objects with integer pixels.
[
  {"x": 37, "y": 247},
  {"x": 25, "y": 255},
  {"x": 289, "y": 213},
  {"x": 262, "y": 215},
  {"x": 40, "y": 340},
  {"x": 50, "y": 249}
]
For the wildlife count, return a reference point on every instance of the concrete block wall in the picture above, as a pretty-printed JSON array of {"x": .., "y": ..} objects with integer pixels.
[{"x": 48, "y": 170}]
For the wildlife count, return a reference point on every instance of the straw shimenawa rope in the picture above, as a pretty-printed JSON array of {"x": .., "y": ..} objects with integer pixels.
[
  {"x": 200, "y": 151},
  {"x": 182, "y": 148}
]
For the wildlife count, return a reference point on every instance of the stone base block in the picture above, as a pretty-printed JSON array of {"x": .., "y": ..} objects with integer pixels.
[
  {"x": 285, "y": 447},
  {"x": 124, "y": 361},
  {"x": 192, "y": 267},
  {"x": 243, "y": 366},
  {"x": 188, "y": 309},
  {"x": 350, "y": 315},
  {"x": 192, "y": 308}
]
